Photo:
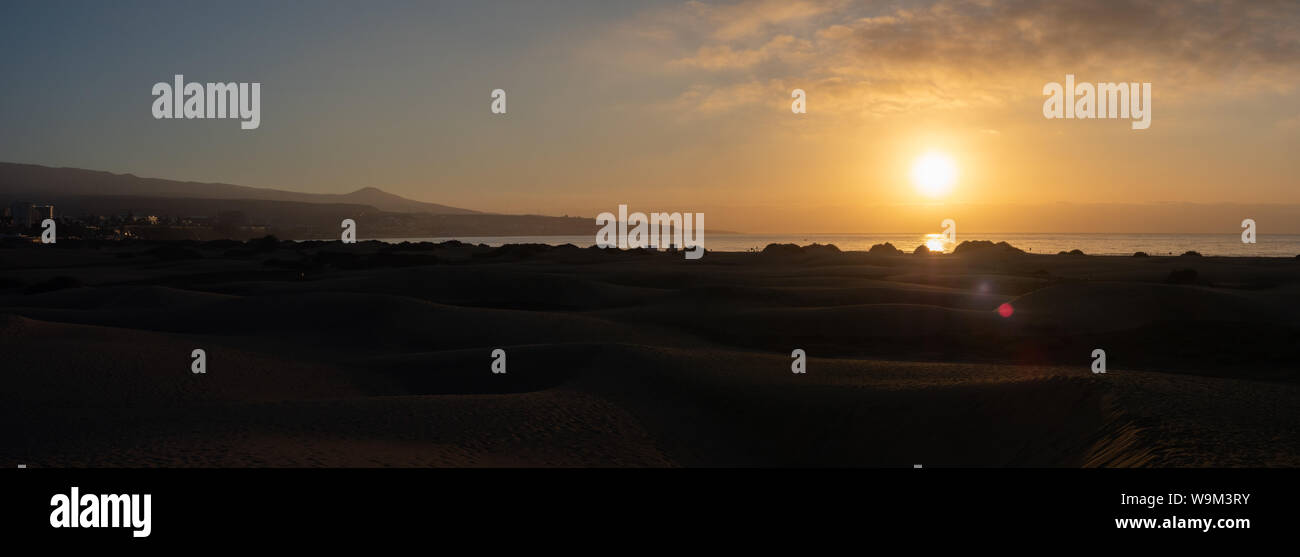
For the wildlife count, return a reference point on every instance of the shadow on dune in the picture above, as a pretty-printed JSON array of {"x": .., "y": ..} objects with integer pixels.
[{"x": 322, "y": 354}]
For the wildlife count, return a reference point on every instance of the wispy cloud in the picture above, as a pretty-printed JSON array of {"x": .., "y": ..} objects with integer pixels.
[{"x": 886, "y": 59}]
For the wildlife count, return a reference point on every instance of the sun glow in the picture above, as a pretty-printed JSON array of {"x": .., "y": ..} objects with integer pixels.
[{"x": 934, "y": 174}]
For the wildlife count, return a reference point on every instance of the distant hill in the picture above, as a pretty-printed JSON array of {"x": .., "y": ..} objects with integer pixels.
[
  {"x": 231, "y": 211},
  {"x": 247, "y": 211},
  {"x": 30, "y": 182},
  {"x": 385, "y": 201}
]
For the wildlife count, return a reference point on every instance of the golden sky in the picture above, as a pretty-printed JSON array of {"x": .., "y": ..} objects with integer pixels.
[
  {"x": 887, "y": 83},
  {"x": 685, "y": 106}
]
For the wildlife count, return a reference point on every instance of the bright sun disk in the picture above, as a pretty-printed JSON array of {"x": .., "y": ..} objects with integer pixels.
[{"x": 934, "y": 174}]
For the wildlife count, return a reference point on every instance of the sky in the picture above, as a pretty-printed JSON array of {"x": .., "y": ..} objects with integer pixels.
[{"x": 684, "y": 106}]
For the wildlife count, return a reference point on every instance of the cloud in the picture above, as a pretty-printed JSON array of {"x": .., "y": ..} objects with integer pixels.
[
  {"x": 1289, "y": 124},
  {"x": 727, "y": 57},
  {"x": 717, "y": 99},
  {"x": 745, "y": 19},
  {"x": 963, "y": 53}
]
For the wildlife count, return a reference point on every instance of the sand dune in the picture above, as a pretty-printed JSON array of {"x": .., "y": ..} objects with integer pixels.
[
  {"x": 1117, "y": 306},
  {"x": 642, "y": 360}
]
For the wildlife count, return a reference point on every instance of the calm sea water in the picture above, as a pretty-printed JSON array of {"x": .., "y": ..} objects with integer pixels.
[{"x": 1275, "y": 245}]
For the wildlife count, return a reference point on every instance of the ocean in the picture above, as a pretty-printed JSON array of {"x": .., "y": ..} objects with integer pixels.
[{"x": 1274, "y": 245}]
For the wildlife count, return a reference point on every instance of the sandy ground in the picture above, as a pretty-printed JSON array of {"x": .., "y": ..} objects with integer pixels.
[{"x": 373, "y": 355}]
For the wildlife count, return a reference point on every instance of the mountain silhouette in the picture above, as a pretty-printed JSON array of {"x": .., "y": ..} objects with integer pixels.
[{"x": 31, "y": 182}]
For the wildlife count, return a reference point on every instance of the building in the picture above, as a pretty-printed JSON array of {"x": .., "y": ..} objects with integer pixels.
[{"x": 27, "y": 215}]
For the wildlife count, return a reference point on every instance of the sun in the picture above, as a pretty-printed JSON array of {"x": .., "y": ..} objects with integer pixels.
[{"x": 934, "y": 174}]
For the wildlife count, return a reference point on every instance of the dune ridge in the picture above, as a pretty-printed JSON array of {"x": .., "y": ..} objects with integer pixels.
[{"x": 623, "y": 359}]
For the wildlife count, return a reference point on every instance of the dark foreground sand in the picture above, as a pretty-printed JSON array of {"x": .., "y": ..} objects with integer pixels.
[{"x": 371, "y": 355}]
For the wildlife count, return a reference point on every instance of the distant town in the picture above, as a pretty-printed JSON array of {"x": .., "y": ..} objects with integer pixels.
[{"x": 23, "y": 220}]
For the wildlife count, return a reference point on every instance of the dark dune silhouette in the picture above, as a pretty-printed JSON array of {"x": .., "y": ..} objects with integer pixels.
[
  {"x": 373, "y": 354},
  {"x": 885, "y": 249},
  {"x": 982, "y": 247}
]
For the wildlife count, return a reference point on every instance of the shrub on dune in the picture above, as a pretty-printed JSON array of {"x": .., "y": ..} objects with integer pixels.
[
  {"x": 986, "y": 247},
  {"x": 515, "y": 251},
  {"x": 782, "y": 249},
  {"x": 888, "y": 249},
  {"x": 821, "y": 249},
  {"x": 264, "y": 244}
]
